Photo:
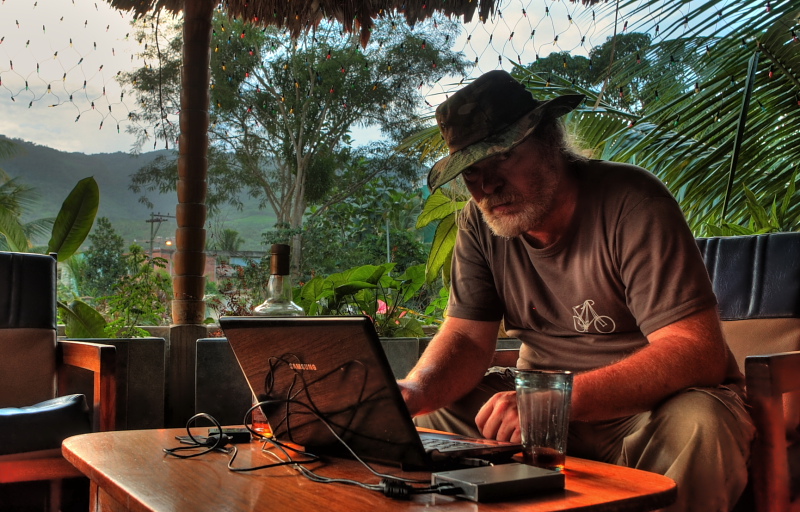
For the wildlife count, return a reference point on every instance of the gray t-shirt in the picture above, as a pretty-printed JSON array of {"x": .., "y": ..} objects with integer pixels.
[{"x": 627, "y": 266}]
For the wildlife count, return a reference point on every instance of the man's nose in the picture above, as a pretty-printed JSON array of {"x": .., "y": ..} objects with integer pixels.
[{"x": 490, "y": 182}]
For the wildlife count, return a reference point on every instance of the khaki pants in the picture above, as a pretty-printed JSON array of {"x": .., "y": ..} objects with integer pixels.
[{"x": 700, "y": 438}]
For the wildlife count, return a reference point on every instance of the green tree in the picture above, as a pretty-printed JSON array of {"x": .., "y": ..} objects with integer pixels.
[
  {"x": 627, "y": 71},
  {"x": 141, "y": 296},
  {"x": 228, "y": 240},
  {"x": 104, "y": 262},
  {"x": 346, "y": 234},
  {"x": 282, "y": 109}
]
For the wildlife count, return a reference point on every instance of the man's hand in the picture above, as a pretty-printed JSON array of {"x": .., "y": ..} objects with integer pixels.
[{"x": 499, "y": 418}]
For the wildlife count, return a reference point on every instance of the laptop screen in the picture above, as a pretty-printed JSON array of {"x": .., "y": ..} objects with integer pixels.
[{"x": 331, "y": 368}]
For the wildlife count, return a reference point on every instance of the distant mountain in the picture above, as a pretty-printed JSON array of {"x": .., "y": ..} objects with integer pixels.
[{"x": 54, "y": 173}]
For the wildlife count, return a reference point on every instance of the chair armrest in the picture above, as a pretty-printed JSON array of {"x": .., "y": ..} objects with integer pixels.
[
  {"x": 768, "y": 378},
  {"x": 773, "y": 374},
  {"x": 101, "y": 361},
  {"x": 505, "y": 357}
]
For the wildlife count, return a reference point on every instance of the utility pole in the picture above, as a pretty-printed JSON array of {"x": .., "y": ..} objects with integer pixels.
[{"x": 156, "y": 218}]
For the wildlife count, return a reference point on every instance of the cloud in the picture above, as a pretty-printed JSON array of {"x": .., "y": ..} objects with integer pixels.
[{"x": 58, "y": 61}]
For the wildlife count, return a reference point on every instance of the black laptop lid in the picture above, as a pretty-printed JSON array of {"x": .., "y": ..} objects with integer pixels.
[{"x": 329, "y": 366}]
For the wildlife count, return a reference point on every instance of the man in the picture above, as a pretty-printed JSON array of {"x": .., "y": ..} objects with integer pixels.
[{"x": 592, "y": 265}]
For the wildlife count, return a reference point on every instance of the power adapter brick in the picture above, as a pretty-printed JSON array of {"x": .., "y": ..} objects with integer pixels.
[
  {"x": 501, "y": 482},
  {"x": 235, "y": 434}
]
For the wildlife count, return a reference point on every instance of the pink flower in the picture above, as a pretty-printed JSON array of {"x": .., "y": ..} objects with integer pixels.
[{"x": 382, "y": 309}]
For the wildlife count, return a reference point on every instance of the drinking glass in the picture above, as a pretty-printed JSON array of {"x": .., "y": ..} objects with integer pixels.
[{"x": 543, "y": 400}]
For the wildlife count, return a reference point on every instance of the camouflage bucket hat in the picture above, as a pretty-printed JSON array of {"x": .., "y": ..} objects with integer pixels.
[{"x": 491, "y": 115}]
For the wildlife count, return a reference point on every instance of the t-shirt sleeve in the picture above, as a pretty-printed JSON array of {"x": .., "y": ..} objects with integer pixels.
[
  {"x": 473, "y": 294},
  {"x": 660, "y": 264}
]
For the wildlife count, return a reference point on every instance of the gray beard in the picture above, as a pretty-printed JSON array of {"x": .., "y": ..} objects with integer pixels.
[{"x": 511, "y": 226}]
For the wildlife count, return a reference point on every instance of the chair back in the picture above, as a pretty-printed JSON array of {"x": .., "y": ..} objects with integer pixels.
[
  {"x": 757, "y": 282},
  {"x": 27, "y": 328}
]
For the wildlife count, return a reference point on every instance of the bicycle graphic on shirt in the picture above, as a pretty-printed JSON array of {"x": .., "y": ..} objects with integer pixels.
[{"x": 585, "y": 315}]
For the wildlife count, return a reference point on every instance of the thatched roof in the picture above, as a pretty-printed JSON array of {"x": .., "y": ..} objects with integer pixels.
[{"x": 302, "y": 15}]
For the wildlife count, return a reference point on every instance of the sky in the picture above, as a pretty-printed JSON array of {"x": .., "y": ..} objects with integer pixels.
[
  {"x": 59, "y": 59},
  {"x": 54, "y": 46}
]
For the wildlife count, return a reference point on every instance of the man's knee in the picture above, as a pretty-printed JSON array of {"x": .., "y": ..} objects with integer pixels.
[
  {"x": 700, "y": 438},
  {"x": 705, "y": 415}
]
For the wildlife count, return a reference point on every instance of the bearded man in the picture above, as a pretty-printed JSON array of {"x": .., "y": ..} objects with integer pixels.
[{"x": 550, "y": 242}]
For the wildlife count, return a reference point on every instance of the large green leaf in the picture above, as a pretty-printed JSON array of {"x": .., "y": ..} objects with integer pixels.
[
  {"x": 81, "y": 320},
  {"x": 442, "y": 248},
  {"x": 75, "y": 219},
  {"x": 437, "y": 207},
  {"x": 354, "y": 287}
]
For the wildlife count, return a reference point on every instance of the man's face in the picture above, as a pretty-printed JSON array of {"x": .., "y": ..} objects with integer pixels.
[{"x": 515, "y": 190}]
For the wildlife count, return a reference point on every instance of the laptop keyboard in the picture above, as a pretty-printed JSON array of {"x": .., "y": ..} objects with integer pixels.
[{"x": 444, "y": 445}]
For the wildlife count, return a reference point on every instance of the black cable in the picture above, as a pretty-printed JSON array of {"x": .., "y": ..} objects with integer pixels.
[
  {"x": 394, "y": 487},
  {"x": 327, "y": 424},
  {"x": 210, "y": 443}
]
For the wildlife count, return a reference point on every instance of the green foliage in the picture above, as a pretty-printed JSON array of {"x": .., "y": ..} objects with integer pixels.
[
  {"x": 238, "y": 294},
  {"x": 354, "y": 232},
  {"x": 105, "y": 261},
  {"x": 443, "y": 210},
  {"x": 762, "y": 219},
  {"x": 15, "y": 198},
  {"x": 282, "y": 109},
  {"x": 687, "y": 137},
  {"x": 81, "y": 320},
  {"x": 370, "y": 290},
  {"x": 438, "y": 306},
  {"x": 73, "y": 223},
  {"x": 140, "y": 298},
  {"x": 228, "y": 240},
  {"x": 599, "y": 72}
]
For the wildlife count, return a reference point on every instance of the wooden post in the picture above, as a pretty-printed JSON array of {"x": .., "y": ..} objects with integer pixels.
[{"x": 188, "y": 307}]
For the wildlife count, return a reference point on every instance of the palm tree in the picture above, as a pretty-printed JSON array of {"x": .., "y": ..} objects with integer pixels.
[
  {"x": 15, "y": 198},
  {"x": 730, "y": 125}
]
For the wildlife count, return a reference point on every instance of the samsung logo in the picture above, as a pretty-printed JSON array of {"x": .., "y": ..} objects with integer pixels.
[{"x": 302, "y": 366}]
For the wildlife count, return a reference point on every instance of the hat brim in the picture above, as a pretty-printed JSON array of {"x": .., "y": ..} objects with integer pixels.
[{"x": 454, "y": 164}]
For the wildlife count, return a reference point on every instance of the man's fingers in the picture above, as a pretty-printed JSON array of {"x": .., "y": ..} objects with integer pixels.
[{"x": 498, "y": 418}]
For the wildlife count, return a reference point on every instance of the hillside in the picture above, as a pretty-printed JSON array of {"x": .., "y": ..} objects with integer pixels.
[{"x": 54, "y": 173}]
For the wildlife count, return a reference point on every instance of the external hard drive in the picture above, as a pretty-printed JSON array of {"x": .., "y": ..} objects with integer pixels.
[{"x": 501, "y": 482}]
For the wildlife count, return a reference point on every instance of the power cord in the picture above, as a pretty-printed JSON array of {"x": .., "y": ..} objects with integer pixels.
[
  {"x": 208, "y": 444},
  {"x": 393, "y": 487},
  {"x": 397, "y": 488}
]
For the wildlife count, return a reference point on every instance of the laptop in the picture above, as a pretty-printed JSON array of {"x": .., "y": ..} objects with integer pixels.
[{"x": 334, "y": 367}]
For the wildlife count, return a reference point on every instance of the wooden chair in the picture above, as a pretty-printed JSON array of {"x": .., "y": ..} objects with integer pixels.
[
  {"x": 757, "y": 282},
  {"x": 33, "y": 370}
]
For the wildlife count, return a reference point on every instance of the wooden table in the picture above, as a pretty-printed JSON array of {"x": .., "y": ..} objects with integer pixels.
[{"x": 129, "y": 471}]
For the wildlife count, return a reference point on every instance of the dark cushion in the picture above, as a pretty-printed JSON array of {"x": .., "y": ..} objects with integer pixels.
[
  {"x": 754, "y": 276},
  {"x": 43, "y": 426},
  {"x": 27, "y": 290}
]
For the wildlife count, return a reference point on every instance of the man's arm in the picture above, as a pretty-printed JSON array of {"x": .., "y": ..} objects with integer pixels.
[
  {"x": 451, "y": 366},
  {"x": 686, "y": 353}
]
